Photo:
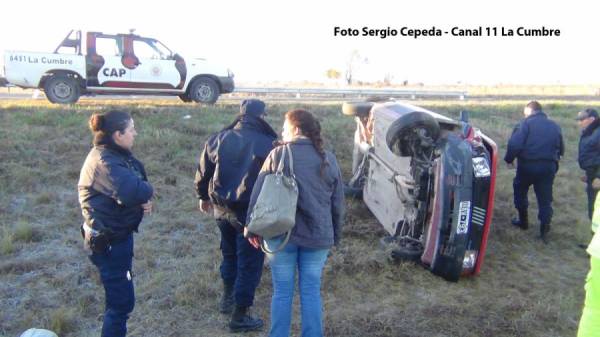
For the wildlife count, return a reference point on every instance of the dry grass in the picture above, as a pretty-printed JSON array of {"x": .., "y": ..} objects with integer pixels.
[{"x": 525, "y": 289}]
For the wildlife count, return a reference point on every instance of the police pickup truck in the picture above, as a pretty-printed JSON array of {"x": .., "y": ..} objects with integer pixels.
[{"x": 115, "y": 65}]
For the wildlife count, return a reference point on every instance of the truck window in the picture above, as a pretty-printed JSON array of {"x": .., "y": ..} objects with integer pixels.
[
  {"x": 144, "y": 50},
  {"x": 107, "y": 46}
]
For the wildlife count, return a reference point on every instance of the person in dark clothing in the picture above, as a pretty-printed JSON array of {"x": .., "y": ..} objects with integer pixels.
[
  {"x": 227, "y": 171},
  {"x": 114, "y": 194},
  {"x": 537, "y": 144},
  {"x": 589, "y": 153}
]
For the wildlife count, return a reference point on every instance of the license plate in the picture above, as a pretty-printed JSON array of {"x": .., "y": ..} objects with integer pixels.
[{"x": 464, "y": 213}]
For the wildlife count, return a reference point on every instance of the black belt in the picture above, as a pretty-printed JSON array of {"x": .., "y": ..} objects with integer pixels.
[{"x": 532, "y": 161}]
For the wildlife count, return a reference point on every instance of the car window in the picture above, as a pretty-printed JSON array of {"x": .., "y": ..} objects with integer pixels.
[
  {"x": 107, "y": 46},
  {"x": 144, "y": 50}
]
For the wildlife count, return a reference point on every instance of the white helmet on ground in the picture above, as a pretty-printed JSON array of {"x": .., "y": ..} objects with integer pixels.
[{"x": 38, "y": 333}]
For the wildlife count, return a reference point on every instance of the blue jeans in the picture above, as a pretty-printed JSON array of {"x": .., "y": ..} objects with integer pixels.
[
  {"x": 309, "y": 263},
  {"x": 114, "y": 266},
  {"x": 242, "y": 264}
]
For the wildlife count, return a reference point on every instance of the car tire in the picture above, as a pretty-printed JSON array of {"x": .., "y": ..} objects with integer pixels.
[
  {"x": 62, "y": 89},
  {"x": 204, "y": 90},
  {"x": 185, "y": 98},
  {"x": 407, "y": 253},
  {"x": 357, "y": 109},
  {"x": 399, "y": 251},
  {"x": 405, "y": 126}
]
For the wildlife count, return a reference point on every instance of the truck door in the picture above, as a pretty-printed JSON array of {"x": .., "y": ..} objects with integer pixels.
[
  {"x": 104, "y": 66},
  {"x": 155, "y": 69}
]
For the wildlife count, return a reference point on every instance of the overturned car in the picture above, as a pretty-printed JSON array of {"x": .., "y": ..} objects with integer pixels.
[{"x": 429, "y": 180}]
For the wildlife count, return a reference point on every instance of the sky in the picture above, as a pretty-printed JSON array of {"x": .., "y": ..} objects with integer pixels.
[{"x": 293, "y": 41}]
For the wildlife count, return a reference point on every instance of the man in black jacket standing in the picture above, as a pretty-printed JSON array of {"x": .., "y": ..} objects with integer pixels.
[
  {"x": 227, "y": 171},
  {"x": 589, "y": 152},
  {"x": 537, "y": 144}
]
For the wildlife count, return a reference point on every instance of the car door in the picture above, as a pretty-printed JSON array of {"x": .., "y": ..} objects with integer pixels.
[
  {"x": 111, "y": 73},
  {"x": 154, "y": 70}
]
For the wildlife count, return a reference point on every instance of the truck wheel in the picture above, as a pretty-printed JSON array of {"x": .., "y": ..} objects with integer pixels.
[
  {"x": 413, "y": 126},
  {"x": 62, "y": 89},
  {"x": 185, "y": 98},
  {"x": 357, "y": 109},
  {"x": 204, "y": 90}
]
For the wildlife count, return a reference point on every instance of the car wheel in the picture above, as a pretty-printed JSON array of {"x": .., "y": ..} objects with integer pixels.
[
  {"x": 402, "y": 249},
  {"x": 185, "y": 98},
  {"x": 62, "y": 89},
  {"x": 204, "y": 90},
  {"x": 415, "y": 126},
  {"x": 407, "y": 253},
  {"x": 357, "y": 109}
]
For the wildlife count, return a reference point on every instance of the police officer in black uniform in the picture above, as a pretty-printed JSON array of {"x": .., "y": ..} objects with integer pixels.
[
  {"x": 537, "y": 144},
  {"x": 114, "y": 194},
  {"x": 228, "y": 168},
  {"x": 588, "y": 156}
]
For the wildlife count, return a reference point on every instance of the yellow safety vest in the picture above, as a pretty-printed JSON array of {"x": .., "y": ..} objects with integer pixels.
[{"x": 596, "y": 216}]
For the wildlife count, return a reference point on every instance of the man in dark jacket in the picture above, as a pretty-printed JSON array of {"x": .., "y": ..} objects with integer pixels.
[
  {"x": 537, "y": 143},
  {"x": 229, "y": 165},
  {"x": 589, "y": 152}
]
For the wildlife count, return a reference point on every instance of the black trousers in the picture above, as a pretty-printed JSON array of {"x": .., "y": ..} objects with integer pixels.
[
  {"x": 541, "y": 175},
  {"x": 114, "y": 266},
  {"x": 242, "y": 264},
  {"x": 591, "y": 193}
]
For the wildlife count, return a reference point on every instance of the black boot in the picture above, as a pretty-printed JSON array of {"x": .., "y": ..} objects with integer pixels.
[
  {"x": 227, "y": 302},
  {"x": 544, "y": 230},
  {"x": 242, "y": 322},
  {"x": 522, "y": 221}
]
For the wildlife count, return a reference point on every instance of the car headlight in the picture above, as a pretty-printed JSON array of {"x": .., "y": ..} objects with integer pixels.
[
  {"x": 481, "y": 168},
  {"x": 469, "y": 260}
]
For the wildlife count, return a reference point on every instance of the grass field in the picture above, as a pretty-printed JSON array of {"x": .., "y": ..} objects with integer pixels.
[{"x": 525, "y": 288}]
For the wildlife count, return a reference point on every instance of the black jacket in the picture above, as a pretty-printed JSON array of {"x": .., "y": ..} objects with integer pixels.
[
  {"x": 320, "y": 210},
  {"x": 589, "y": 147},
  {"x": 112, "y": 187},
  {"x": 535, "y": 138},
  {"x": 230, "y": 162}
]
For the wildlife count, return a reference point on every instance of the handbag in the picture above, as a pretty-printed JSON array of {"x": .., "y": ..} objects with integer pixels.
[{"x": 274, "y": 212}]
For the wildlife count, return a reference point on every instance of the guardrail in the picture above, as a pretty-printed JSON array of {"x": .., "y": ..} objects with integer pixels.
[
  {"x": 315, "y": 94},
  {"x": 345, "y": 93}
]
